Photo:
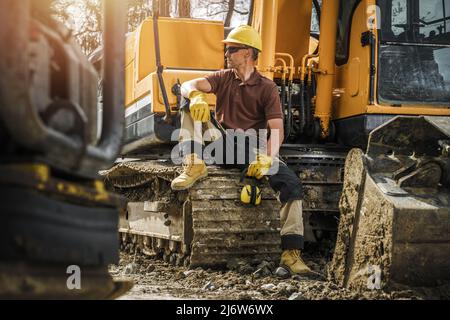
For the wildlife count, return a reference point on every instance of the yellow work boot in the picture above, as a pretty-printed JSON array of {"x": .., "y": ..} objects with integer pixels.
[
  {"x": 292, "y": 262},
  {"x": 194, "y": 169}
]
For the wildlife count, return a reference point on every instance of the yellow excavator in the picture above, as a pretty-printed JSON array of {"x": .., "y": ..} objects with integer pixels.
[
  {"x": 367, "y": 123},
  {"x": 59, "y": 224}
]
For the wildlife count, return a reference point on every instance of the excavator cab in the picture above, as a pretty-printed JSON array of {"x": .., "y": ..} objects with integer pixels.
[{"x": 408, "y": 72}]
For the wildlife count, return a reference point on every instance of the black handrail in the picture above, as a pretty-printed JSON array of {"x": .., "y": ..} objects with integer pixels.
[{"x": 159, "y": 66}]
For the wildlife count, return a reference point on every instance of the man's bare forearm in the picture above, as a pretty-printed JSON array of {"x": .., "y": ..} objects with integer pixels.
[
  {"x": 276, "y": 137},
  {"x": 273, "y": 146}
]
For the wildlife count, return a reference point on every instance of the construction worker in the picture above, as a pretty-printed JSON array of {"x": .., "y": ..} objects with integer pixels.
[{"x": 245, "y": 100}]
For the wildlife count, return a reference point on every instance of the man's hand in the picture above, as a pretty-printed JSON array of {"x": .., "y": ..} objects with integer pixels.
[
  {"x": 199, "y": 107},
  {"x": 260, "y": 166}
]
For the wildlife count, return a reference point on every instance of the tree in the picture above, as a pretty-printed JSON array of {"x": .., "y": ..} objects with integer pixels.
[
  {"x": 138, "y": 11},
  {"x": 164, "y": 8},
  {"x": 183, "y": 8},
  {"x": 224, "y": 10},
  {"x": 84, "y": 19},
  {"x": 231, "y": 5}
]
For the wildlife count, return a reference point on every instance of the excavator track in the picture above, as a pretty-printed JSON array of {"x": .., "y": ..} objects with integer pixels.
[{"x": 208, "y": 225}]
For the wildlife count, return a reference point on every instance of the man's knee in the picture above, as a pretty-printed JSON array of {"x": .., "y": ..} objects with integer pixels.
[{"x": 287, "y": 184}]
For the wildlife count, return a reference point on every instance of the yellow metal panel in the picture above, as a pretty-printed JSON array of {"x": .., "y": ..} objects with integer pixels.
[
  {"x": 353, "y": 82},
  {"x": 130, "y": 53},
  {"x": 354, "y": 101},
  {"x": 170, "y": 79},
  {"x": 294, "y": 26},
  {"x": 285, "y": 28},
  {"x": 258, "y": 15},
  {"x": 130, "y": 48},
  {"x": 326, "y": 76},
  {"x": 313, "y": 45},
  {"x": 129, "y": 84},
  {"x": 143, "y": 87},
  {"x": 267, "y": 28},
  {"x": 145, "y": 51},
  {"x": 184, "y": 43}
]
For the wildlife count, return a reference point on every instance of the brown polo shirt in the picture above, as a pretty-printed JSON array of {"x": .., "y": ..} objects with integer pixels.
[{"x": 245, "y": 105}]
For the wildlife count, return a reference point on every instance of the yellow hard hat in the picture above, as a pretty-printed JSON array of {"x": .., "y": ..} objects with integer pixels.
[{"x": 245, "y": 35}]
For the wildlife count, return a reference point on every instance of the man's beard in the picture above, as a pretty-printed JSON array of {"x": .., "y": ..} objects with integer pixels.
[{"x": 230, "y": 65}]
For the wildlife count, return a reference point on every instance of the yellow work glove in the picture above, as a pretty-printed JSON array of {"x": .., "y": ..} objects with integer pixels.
[
  {"x": 199, "y": 107},
  {"x": 260, "y": 166}
]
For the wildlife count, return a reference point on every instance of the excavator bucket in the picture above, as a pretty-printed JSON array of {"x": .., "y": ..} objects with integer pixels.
[{"x": 395, "y": 208}]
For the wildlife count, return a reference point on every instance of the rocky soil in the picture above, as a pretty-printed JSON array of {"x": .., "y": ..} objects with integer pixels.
[{"x": 156, "y": 280}]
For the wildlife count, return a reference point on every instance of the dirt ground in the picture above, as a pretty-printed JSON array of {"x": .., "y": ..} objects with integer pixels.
[{"x": 156, "y": 280}]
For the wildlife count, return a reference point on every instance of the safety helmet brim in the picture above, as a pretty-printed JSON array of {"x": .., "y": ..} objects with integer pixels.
[{"x": 245, "y": 35}]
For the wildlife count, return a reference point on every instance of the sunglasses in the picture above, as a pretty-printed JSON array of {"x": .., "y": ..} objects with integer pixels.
[{"x": 232, "y": 50}]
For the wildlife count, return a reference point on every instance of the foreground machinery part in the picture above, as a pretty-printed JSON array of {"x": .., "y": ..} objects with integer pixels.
[
  {"x": 50, "y": 89},
  {"x": 208, "y": 225},
  {"x": 51, "y": 224},
  {"x": 395, "y": 208},
  {"x": 50, "y": 281},
  {"x": 55, "y": 212}
]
